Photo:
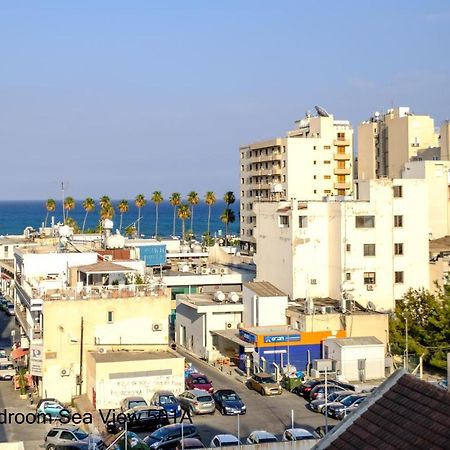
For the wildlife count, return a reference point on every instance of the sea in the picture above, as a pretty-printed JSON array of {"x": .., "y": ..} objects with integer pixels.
[{"x": 15, "y": 216}]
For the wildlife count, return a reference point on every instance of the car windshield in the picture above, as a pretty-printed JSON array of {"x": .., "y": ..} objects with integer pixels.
[
  {"x": 201, "y": 380},
  {"x": 79, "y": 434},
  {"x": 267, "y": 439},
  {"x": 267, "y": 380},
  {"x": 167, "y": 400},
  {"x": 134, "y": 403},
  {"x": 230, "y": 443},
  {"x": 230, "y": 397},
  {"x": 204, "y": 398},
  {"x": 159, "y": 434},
  {"x": 333, "y": 396},
  {"x": 347, "y": 401}
]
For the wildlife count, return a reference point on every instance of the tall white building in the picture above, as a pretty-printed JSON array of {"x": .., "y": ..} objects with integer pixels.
[
  {"x": 314, "y": 160},
  {"x": 371, "y": 250}
]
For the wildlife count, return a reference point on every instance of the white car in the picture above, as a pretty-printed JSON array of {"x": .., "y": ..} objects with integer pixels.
[
  {"x": 299, "y": 434},
  {"x": 224, "y": 440},
  {"x": 261, "y": 437}
]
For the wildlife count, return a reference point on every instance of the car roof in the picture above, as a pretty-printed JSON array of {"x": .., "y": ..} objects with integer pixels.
[
  {"x": 175, "y": 426},
  {"x": 198, "y": 392},
  {"x": 191, "y": 440},
  {"x": 226, "y": 437},
  {"x": 262, "y": 433},
  {"x": 128, "y": 399},
  {"x": 226, "y": 391},
  {"x": 146, "y": 408},
  {"x": 69, "y": 428},
  {"x": 164, "y": 393},
  {"x": 197, "y": 374},
  {"x": 301, "y": 431}
]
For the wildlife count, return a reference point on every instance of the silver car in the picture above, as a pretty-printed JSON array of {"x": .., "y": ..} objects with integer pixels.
[
  {"x": 197, "y": 401},
  {"x": 72, "y": 436}
]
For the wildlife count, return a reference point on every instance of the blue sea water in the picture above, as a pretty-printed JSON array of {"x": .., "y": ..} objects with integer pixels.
[{"x": 15, "y": 216}]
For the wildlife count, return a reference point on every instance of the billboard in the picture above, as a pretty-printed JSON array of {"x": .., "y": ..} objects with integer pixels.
[{"x": 153, "y": 255}]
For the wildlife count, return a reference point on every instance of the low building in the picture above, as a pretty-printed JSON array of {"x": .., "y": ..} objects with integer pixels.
[
  {"x": 357, "y": 358},
  {"x": 114, "y": 375}
]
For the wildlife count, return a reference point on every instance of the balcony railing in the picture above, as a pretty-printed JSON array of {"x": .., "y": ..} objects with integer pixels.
[{"x": 342, "y": 156}]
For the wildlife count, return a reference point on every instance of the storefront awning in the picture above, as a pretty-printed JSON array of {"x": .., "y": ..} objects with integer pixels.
[
  {"x": 19, "y": 353},
  {"x": 232, "y": 336}
]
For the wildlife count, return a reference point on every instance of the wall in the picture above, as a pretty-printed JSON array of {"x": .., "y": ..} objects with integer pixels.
[{"x": 366, "y": 150}]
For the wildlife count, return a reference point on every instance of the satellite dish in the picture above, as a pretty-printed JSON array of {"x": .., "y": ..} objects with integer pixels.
[
  {"x": 321, "y": 111},
  {"x": 371, "y": 306}
]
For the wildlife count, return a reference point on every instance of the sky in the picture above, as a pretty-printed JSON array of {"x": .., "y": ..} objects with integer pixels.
[{"x": 125, "y": 97}]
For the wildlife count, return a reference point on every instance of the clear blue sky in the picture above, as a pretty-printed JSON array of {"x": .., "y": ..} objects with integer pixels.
[{"x": 124, "y": 97}]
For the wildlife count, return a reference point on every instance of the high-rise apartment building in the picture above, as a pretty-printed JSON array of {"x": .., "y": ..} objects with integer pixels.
[
  {"x": 387, "y": 141},
  {"x": 313, "y": 161}
]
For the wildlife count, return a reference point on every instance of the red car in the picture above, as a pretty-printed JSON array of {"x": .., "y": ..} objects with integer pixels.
[{"x": 199, "y": 381}]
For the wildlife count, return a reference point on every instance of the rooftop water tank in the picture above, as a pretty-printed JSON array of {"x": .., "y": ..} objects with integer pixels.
[{"x": 219, "y": 296}]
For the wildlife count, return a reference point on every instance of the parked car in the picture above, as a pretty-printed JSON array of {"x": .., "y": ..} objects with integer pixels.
[
  {"x": 199, "y": 381},
  {"x": 130, "y": 402},
  {"x": 224, "y": 440},
  {"x": 47, "y": 399},
  {"x": 318, "y": 391},
  {"x": 53, "y": 409},
  {"x": 147, "y": 418},
  {"x": 168, "y": 401},
  {"x": 197, "y": 401},
  {"x": 7, "y": 370},
  {"x": 261, "y": 437},
  {"x": 10, "y": 309},
  {"x": 168, "y": 437},
  {"x": 132, "y": 441},
  {"x": 71, "y": 436},
  {"x": 299, "y": 434},
  {"x": 319, "y": 404},
  {"x": 188, "y": 443},
  {"x": 307, "y": 386},
  {"x": 344, "y": 412},
  {"x": 334, "y": 409},
  {"x": 228, "y": 402},
  {"x": 264, "y": 384},
  {"x": 323, "y": 430}
]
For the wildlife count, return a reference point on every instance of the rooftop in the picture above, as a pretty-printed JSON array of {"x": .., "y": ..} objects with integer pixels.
[
  {"x": 264, "y": 289},
  {"x": 104, "y": 267},
  {"x": 441, "y": 245},
  {"x": 207, "y": 299},
  {"x": 356, "y": 341},
  {"x": 275, "y": 329},
  {"x": 125, "y": 356}
]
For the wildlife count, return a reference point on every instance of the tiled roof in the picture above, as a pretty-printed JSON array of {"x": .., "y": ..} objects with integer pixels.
[{"x": 404, "y": 413}]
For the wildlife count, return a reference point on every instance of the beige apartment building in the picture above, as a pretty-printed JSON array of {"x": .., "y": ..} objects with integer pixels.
[
  {"x": 313, "y": 161},
  {"x": 387, "y": 141}
]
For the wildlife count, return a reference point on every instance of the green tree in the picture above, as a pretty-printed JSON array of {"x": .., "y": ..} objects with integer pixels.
[
  {"x": 69, "y": 204},
  {"x": 71, "y": 222},
  {"x": 175, "y": 201},
  {"x": 107, "y": 212},
  {"x": 227, "y": 217},
  {"x": 123, "y": 207},
  {"x": 157, "y": 199},
  {"x": 210, "y": 199},
  {"x": 89, "y": 206},
  {"x": 104, "y": 201},
  {"x": 193, "y": 199},
  {"x": 50, "y": 205},
  {"x": 140, "y": 202},
  {"x": 229, "y": 198},
  {"x": 184, "y": 212}
]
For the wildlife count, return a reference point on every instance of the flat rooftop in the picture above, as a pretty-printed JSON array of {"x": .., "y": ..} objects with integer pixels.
[
  {"x": 357, "y": 341},
  {"x": 207, "y": 299},
  {"x": 264, "y": 289},
  {"x": 271, "y": 330},
  {"x": 125, "y": 356}
]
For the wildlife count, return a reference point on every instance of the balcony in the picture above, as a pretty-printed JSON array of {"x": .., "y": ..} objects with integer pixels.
[
  {"x": 342, "y": 185},
  {"x": 265, "y": 172},
  {"x": 342, "y": 156},
  {"x": 345, "y": 171},
  {"x": 341, "y": 142}
]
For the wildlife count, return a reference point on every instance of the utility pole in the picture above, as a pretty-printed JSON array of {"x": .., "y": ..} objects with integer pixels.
[
  {"x": 80, "y": 379},
  {"x": 326, "y": 399}
]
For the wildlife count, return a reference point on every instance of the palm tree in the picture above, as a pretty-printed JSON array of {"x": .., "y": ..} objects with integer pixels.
[
  {"x": 123, "y": 208},
  {"x": 89, "y": 206},
  {"x": 157, "y": 198},
  {"x": 229, "y": 198},
  {"x": 69, "y": 204},
  {"x": 104, "y": 201},
  {"x": 140, "y": 202},
  {"x": 107, "y": 212},
  {"x": 50, "y": 204},
  {"x": 227, "y": 217},
  {"x": 184, "y": 212},
  {"x": 193, "y": 199},
  {"x": 175, "y": 200},
  {"x": 210, "y": 199}
]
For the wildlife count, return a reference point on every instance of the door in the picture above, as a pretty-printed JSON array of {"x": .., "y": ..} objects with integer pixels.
[{"x": 362, "y": 370}]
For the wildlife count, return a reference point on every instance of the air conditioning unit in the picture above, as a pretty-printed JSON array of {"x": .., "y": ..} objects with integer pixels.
[
  {"x": 101, "y": 350},
  {"x": 223, "y": 271},
  {"x": 157, "y": 327},
  {"x": 107, "y": 258},
  {"x": 205, "y": 271},
  {"x": 313, "y": 281},
  {"x": 229, "y": 325},
  {"x": 214, "y": 271},
  {"x": 65, "y": 372},
  {"x": 370, "y": 287}
]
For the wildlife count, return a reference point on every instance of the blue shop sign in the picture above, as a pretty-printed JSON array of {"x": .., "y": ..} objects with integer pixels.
[
  {"x": 281, "y": 338},
  {"x": 246, "y": 336}
]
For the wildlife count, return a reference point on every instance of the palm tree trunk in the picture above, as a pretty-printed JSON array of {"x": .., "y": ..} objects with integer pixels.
[
  {"x": 192, "y": 220},
  {"x": 174, "y": 212},
  {"x": 226, "y": 233},
  {"x": 182, "y": 228},
  {"x": 139, "y": 223},
  {"x": 209, "y": 217},
  {"x": 46, "y": 218},
  {"x": 84, "y": 221},
  {"x": 120, "y": 224},
  {"x": 156, "y": 225}
]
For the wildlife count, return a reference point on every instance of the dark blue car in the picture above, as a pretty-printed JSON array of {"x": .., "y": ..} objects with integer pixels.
[
  {"x": 168, "y": 401},
  {"x": 228, "y": 402}
]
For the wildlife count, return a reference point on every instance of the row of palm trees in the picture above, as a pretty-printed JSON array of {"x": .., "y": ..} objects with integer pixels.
[{"x": 183, "y": 210}]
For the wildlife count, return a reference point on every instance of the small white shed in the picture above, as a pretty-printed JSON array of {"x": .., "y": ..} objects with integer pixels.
[{"x": 358, "y": 358}]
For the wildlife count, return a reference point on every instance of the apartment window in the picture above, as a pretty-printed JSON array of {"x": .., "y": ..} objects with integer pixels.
[
  {"x": 284, "y": 221},
  {"x": 242, "y": 155},
  {"x": 314, "y": 162},
  {"x": 302, "y": 221},
  {"x": 242, "y": 168},
  {"x": 284, "y": 178},
  {"x": 283, "y": 163},
  {"x": 242, "y": 181},
  {"x": 399, "y": 277},
  {"x": 110, "y": 316},
  {"x": 365, "y": 221},
  {"x": 398, "y": 249},
  {"x": 315, "y": 191},
  {"x": 314, "y": 177},
  {"x": 315, "y": 147},
  {"x": 398, "y": 191},
  {"x": 327, "y": 191},
  {"x": 369, "y": 249},
  {"x": 369, "y": 277},
  {"x": 348, "y": 276},
  {"x": 327, "y": 162},
  {"x": 398, "y": 221},
  {"x": 348, "y": 247},
  {"x": 326, "y": 147},
  {"x": 341, "y": 135},
  {"x": 327, "y": 177}
]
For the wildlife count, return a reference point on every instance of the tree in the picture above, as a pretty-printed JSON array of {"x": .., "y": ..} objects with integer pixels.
[
  {"x": 69, "y": 204},
  {"x": 157, "y": 199},
  {"x": 175, "y": 201},
  {"x": 104, "y": 201},
  {"x": 184, "y": 212},
  {"x": 107, "y": 212},
  {"x": 227, "y": 217},
  {"x": 229, "y": 198},
  {"x": 140, "y": 202},
  {"x": 193, "y": 199},
  {"x": 210, "y": 199},
  {"x": 89, "y": 206},
  {"x": 71, "y": 222},
  {"x": 123, "y": 207},
  {"x": 50, "y": 205}
]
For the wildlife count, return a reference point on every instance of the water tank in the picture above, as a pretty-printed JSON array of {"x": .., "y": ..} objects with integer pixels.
[
  {"x": 107, "y": 224},
  {"x": 115, "y": 241},
  {"x": 65, "y": 231},
  {"x": 219, "y": 296},
  {"x": 184, "y": 268},
  {"x": 233, "y": 297}
]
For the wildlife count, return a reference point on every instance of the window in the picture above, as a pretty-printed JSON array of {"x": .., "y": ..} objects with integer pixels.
[
  {"x": 67, "y": 436},
  {"x": 341, "y": 135},
  {"x": 242, "y": 168},
  {"x": 398, "y": 191},
  {"x": 110, "y": 316},
  {"x": 314, "y": 162},
  {"x": 242, "y": 155},
  {"x": 399, "y": 276},
  {"x": 326, "y": 147},
  {"x": 327, "y": 191},
  {"x": 315, "y": 191},
  {"x": 398, "y": 249},
  {"x": 242, "y": 181},
  {"x": 327, "y": 177},
  {"x": 348, "y": 247},
  {"x": 398, "y": 221},
  {"x": 369, "y": 277},
  {"x": 365, "y": 221},
  {"x": 284, "y": 221},
  {"x": 314, "y": 177},
  {"x": 302, "y": 221},
  {"x": 348, "y": 276},
  {"x": 315, "y": 147},
  {"x": 369, "y": 249},
  {"x": 327, "y": 162}
]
